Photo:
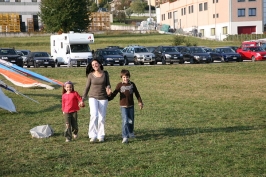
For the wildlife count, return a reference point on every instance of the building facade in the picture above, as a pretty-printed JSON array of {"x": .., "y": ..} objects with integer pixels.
[
  {"x": 27, "y": 10},
  {"x": 214, "y": 19}
]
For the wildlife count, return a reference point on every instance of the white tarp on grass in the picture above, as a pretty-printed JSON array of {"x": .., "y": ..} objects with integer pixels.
[{"x": 42, "y": 131}]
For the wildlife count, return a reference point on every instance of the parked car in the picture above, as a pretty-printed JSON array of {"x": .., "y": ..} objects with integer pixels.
[
  {"x": 10, "y": 55},
  {"x": 225, "y": 54},
  {"x": 109, "y": 56},
  {"x": 151, "y": 48},
  {"x": 168, "y": 54},
  {"x": 255, "y": 53},
  {"x": 196, "y": 55},
  {"x": 233, "y": 47},
  {"x": 37, "y": 59},
  {"x": 23, "y": 53},
  {"x": 138, "y": 55}
]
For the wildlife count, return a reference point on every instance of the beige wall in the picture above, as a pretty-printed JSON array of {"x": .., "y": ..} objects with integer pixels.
[
  {"x": 220, "y": 16},
  {"x": 258, "y": 4}
]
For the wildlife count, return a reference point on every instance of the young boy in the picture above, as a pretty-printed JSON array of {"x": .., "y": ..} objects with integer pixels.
[{"x": 126, "y": 88}]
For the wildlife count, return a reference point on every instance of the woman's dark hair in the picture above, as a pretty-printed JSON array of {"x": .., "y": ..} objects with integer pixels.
[{"x": 89, "y": 68}]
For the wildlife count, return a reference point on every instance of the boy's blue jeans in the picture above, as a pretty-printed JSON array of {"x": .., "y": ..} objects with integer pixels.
[{"x": 127, "y": 121}]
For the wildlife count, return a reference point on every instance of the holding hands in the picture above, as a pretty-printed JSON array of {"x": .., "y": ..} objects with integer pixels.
[{"x": 108, "y": 90}]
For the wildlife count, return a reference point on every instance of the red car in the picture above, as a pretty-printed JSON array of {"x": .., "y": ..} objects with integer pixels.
[{"x": 254, "y": 53}]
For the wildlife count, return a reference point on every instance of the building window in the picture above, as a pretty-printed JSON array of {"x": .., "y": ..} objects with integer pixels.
[
  {"x": 192, "y": 9},
  {"x": 241, "y": 12},
  {"x": 200, "y": 7},
  {"x": 205, "y": 6},
  {"x": 252, "y": 11},
  {"x": 33, "y": 0},
  {"x": 213, "y": 16},
  {"x": 212, "y": 31},
  {"x": 225, "y": 30},
  {"x": 184, "y": 11},
  {"x": 240, "y": 0},
  {"x": 214, "y": 1},
  {"x": 251, "y": 0},
  {"x": 17, "y": 0},
  {"x": 217, "y": 15},
  {"x": 202, "y": 32}
]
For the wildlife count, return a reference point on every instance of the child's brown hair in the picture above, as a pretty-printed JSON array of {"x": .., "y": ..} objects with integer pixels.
[
  {"x": 125, "y": 72},
  {"x": 68, "y": 82}
]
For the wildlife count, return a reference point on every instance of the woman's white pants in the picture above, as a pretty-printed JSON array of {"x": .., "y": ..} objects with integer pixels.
[{"x": 97, "y": 118}]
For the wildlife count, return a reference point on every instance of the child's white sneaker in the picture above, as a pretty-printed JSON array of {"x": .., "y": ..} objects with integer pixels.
[
  {"x": 125, "y": 140},
  {"x": 67, "y": 140},
  {"x": 75, "y": 136}
]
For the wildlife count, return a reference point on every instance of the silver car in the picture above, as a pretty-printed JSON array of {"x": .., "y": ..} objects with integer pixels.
[{"x": 138, "y": 55}]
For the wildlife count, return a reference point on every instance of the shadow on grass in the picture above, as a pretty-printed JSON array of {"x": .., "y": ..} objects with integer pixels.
[{"x": 171, "y": 132}]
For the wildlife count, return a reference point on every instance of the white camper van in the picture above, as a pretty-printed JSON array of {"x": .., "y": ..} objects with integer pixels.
[{"x": 71, "y": 48}]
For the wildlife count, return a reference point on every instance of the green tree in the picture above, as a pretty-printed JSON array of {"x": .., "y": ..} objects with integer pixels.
[
  {"x": 129, "y": 12},
  {"x": 138, "y": 6},
  {"x": 64, "y": 15},
  {"x": 94, "y": 7}
]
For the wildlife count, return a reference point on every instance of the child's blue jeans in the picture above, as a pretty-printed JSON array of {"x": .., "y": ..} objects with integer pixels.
[{"x": 127, "y": 121}]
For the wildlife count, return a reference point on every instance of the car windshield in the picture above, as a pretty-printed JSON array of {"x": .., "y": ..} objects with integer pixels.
[
  {"x": 151, "y": 49},
  {"x": 169, "y": 49},
  {"x": 227, "y": 50},
  {"x": 8, "y": 52},
  {"x": 256, "y": 49},
  {"x": 197, "y": 50},
  {"x": 41, "y": 54},
  {"x": 25, "y": 52},
  {"x": 75, "y": 48},
  {"x": 114, "y": 52},
  {"x": 141, "y": 50}
]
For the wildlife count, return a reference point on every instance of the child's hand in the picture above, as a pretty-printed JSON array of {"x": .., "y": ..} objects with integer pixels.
[
  {"x": 141, "y": 105},
  {"x": 81, "y": 104},
  {"x": 108, "y": 90}
]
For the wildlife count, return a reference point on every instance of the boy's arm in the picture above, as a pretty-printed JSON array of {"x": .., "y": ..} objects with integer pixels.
[
  {"x": 117, "y": 89},
  {"x": 135, "y": 89}
]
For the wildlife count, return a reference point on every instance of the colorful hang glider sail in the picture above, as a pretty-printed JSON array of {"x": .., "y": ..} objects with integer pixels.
[
  {"x": 28, "y": 73},
  {"x": 6, "y": 102},
  {"x": 3, "y": 85}
]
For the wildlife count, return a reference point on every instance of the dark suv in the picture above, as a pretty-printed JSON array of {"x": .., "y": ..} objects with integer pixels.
[
  {"x": 10, "y": 55},
  {"x": 168, "y": 54},
  {"x": 109, "y": 56}
]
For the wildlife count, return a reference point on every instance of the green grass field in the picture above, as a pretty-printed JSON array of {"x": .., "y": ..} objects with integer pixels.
[
  {"x": 110, "y": 38},
  {"x": 198, "y": 120}
]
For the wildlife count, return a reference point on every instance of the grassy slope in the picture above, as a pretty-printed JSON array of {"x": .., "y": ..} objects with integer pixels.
[{"x": 198, "y": 120}]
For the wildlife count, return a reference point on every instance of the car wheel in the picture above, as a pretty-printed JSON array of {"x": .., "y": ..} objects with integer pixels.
[
  {"x": 121, "y": 64},
  {"x": 53, "y": 66},
  {"x": 104, "y": 63},
  {"x": 57, "y": 64},
  {"x": 191, "y": 61},
  {"x": 136, "y": 61},
  {"x": 181, "y": 62},
  {"x": 253, "y": 59},
  {"x": 163, "y": 61},
  {"x": 45, "y": 66},
  {"x": 152, "y": 63},
  {"x": 35, "y": 65},
  {"x": 126, "y": 61}
]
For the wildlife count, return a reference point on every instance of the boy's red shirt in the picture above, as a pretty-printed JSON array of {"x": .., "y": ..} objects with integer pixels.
[{"x": 70, "y": 102}]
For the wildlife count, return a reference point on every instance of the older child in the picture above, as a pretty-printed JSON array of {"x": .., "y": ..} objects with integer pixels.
[
  {"x": 126, "y": 88},
  {"x": 71, "y": 101}
]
